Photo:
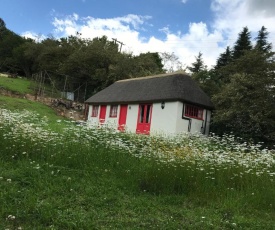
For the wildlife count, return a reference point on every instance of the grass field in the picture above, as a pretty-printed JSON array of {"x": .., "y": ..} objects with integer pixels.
[
  {"x": 18, "y": 85},
  {"x": 63, "y": 176}
]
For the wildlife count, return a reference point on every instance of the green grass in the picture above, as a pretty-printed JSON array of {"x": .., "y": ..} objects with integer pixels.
[
  {"x": 98, "y": 179},
  {"x": 16, "y": 85},
  {"x": 43, "y": 111},
  {"x": 76, "y": 187}
]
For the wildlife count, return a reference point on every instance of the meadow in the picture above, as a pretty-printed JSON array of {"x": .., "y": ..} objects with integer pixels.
[{"x": 57, "y": 175}]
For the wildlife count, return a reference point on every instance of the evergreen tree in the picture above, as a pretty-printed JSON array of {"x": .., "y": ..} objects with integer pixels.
[
  {"x": 2, "y": 27},
  {"x": 224, "y": 58},
  {"x": 242, "y": 44},
  {"x": 246, "y": 104},
  {"x": 261, "y": 41},
  {"x": 198, "y": 65}
]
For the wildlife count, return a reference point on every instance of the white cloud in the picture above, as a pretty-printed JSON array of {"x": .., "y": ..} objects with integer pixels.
[
  {"x": 34, "y": 36},
  {"x": 232, "y": 16},
  {"x": 127, "y": 30},
  {"x": 210, "y": 39}
]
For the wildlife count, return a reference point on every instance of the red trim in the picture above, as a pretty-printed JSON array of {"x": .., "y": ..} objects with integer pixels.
[
  {"x": 144, "y": 119},
  {"x": 193, "y": 112},
  {"x": 122, "y": 117},
  {"x": 102, "y": 113}
]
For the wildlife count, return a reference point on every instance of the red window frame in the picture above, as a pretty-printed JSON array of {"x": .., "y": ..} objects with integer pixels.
[
  {"x": 113, "y": 111},
  {"x": 193, "y": 111},
  {"x": 95, "y": 111}
]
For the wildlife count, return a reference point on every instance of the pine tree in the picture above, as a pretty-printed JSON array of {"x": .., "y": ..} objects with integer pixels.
[
  {"x": 198, "y": 65},
  {"x": 224, "y": 58},
  {"x": 245, "y": 105},
  {"x": 261, "y": 41},
  {"x": 242, "y": 44}
]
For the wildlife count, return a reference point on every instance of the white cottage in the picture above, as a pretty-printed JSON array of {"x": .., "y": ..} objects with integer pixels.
[{"x": 167, "y": 103}]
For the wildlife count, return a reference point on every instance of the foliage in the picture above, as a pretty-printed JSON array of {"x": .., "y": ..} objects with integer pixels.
[
  {"x": 246, "y": 105},
  {"x": 261, "y": 41},
  {"x": 73, "y": 61},
  {"x": 171, "y": 62},
  {"x": 198, "y": 65},
  {"x": 242, "y": 44},
  {"x": 224, "y": 58}
]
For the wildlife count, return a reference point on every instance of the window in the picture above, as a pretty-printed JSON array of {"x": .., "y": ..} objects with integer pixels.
[
  {"x": 144, "y": 113},
  {"x": 113, "y": 111},
  {"x": 95, "y": 111},
  {"x": 193, "y": 112}
]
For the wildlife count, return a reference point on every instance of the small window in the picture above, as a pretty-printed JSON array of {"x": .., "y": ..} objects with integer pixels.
[
  {"x": 95, "y": 111},
  {"x": 193, "y": 112},
  {"x": 113, "y": 111}
]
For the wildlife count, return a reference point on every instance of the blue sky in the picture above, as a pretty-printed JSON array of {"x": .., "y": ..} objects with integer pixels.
[{"x": 182, "y": 27}]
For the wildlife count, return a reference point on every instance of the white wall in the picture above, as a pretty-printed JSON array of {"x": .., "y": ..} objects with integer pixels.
[
  {"x": 111, "y": 121},
  {"x": 132, "y": 116},
  {"x": 168, "y": 120},
  {"x": 92, "y": 120},
  {"x": 182, "y": 124},
  {"x": 163, "y": 120}
]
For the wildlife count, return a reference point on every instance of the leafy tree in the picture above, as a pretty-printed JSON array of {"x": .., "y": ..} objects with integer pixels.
[
  {"x": 8, "y": 42},
  {"x": 261, "y": 41},
  {"x": 25, "y": 56},
  {"x": 208, "y": 81},
  {"x": 147, "y": 64},
  {"x": 2, "y": 27},
  {"x": 242, "y": 44},
  {"x": 198, "y": 65},
  {"x": 171, "y": 62},
  {"x": 246, "y": 105}
]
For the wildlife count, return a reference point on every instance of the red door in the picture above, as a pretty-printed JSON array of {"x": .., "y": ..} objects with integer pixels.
[
  {"x": 102, "y": 114},
  {"x": 144, "y": 118},
  {"x": 122, "y": 117}
]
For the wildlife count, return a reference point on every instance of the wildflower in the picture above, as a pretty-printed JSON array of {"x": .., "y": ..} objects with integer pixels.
[
  {"x": 9, "y": 180},
  {"x": 10, "y": 217}
]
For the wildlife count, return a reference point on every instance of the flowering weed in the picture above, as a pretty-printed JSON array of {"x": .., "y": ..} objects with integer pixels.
[{"x": 60, "y": 179}]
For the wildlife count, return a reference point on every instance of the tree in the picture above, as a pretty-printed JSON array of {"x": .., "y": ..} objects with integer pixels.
[
  {"x": 147, "y": 64},
  {"x": 171, "y": 62},
  {"x": 2, "y": 27},
  {"x": 246, "y": 105},
  {"x": 8, "y": 42},
  {"x": 242, "y": 44},
  {"x": 198, "y": 65},
  {"x": 261, "y": 41},
  {"x": 224, "y": 58}
]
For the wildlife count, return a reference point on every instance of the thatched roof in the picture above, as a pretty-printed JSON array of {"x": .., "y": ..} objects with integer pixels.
[{"x": 158, "y": 88}]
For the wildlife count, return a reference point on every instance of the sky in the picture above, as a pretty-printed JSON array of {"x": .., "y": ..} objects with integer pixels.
[{"x": 181, "y": 27}]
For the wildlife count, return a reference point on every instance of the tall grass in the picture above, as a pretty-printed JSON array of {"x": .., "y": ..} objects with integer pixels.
[{"x": 210, "y": 172}]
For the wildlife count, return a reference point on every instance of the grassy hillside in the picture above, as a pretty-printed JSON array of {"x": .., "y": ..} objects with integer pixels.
[
  {"x": 19, "y": 85},
  {"x": 56, "y": 175}
]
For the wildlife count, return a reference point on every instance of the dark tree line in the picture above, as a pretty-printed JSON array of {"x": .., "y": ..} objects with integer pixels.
[
  {"x": 242, "y": 88},
  {"x": 96, "y": 62}
]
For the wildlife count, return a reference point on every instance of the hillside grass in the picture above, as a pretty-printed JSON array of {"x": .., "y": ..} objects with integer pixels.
[
  {"x": 42, "y": 111},
  {"x": 16, "y": 85},
  {"x": 99, "y": 179}
]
